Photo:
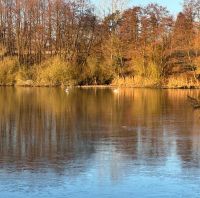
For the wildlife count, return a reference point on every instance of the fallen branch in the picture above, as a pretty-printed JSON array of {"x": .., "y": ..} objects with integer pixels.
[{"x": 194, "y": 102}]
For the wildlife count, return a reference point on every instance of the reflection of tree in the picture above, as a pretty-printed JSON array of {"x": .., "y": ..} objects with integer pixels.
[{"x": 46, "y": 127}]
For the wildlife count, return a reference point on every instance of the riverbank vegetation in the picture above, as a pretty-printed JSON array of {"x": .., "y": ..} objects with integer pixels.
[{"x": 65, "y": 42}]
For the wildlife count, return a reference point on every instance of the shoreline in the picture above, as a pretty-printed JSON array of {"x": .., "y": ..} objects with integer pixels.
[{"x": 99, "y": 86}]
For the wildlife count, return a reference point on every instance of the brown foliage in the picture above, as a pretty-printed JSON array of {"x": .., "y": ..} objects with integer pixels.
[{"x": 125, "y": 43}]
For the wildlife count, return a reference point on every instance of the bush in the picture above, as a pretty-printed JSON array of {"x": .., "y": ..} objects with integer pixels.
[
  {"x": 138, "y": 66},
  {"x": 105, "y": 74},
  {"x": 8, "y": 70},
  {"x": 152, "y": 71},
  {"x": 95, "y": 72},
  {"x": 54, "y": 72}
]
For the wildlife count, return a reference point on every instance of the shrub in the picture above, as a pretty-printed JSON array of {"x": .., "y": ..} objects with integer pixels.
[
  {"x": 95, "y": 72},
  {"x": 8, "y": 70},
  {"x": 105, "y": 74},
  {"x": 152, "y": 71},
  {"x": 53, "y": 72}
]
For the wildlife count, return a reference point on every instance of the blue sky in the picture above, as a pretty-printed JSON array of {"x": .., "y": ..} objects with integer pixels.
[{"x": 173, "y": 5}]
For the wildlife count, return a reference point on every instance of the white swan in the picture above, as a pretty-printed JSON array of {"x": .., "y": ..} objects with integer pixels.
[
  {"x": 116, "y": 90},
  {"x": 67, "y": 90}
]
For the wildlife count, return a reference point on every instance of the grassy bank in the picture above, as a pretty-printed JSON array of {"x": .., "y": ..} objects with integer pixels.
[
  {"x": 54, "y": 71},
  {"x": 57, "y": 72},
  {"x": 173, "y": 82}
]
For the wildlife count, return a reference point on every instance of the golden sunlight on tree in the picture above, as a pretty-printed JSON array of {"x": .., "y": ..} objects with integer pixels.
[{"x": 140, "y": 42}]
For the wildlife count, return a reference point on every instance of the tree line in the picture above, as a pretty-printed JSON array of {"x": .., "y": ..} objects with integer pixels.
[{"x": 140, "y": 41}]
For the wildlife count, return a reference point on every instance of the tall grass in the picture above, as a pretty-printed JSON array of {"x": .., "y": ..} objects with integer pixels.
[
  {"x": 136, "y": 81},
  {"x": 143, "y": 76},
  {"x": 182, "y": 81}
]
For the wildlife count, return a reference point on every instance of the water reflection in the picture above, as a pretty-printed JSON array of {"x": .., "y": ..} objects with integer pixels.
[{"x": 153, "y": 132}]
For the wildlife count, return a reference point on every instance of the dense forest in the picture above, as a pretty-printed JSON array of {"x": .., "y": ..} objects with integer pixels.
[{"x": 65, "y": 42}]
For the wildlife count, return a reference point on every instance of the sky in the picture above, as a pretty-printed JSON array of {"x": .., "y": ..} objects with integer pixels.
[{"x": 174, "y": 6}]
